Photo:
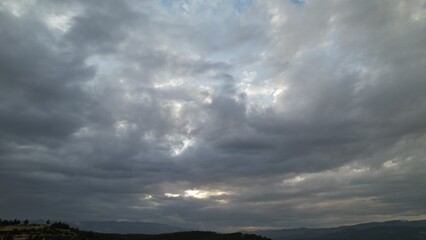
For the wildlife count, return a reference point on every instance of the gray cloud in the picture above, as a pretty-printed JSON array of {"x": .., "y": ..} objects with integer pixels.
[{"x": 213, "y": 115}]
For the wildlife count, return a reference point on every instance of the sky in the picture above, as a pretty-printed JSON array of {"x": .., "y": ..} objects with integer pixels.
[{"x": 214, "y": 115}]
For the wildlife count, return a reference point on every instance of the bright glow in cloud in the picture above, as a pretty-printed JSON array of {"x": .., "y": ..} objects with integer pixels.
[
  {"x": 390, "y": 164},
  {"x": 179, "y": 144},
  {"x": 294, "y": 181},
  {"x": 59, "y": 22},
  {"x": 201, "y": 194},
  {"x": 172, "y": 195}
]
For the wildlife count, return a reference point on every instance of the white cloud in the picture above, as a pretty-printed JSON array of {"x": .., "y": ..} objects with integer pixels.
[
  {"x": 17, "y": 8},
  {"x": 59, "y": 22},
  {"x": 172, "y": 195},
  {"x": 202, "y": 194}
]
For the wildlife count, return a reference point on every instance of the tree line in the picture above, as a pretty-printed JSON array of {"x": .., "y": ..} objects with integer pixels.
[{"x": 17, "y": 222}]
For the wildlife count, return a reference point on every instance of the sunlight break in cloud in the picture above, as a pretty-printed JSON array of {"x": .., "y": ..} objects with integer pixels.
[{"x": 201, "y": 194}]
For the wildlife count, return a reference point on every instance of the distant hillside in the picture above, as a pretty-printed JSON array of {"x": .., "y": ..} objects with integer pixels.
[
  {"x": 126, "y": 227},
  {"x": 391, "y": 230}
]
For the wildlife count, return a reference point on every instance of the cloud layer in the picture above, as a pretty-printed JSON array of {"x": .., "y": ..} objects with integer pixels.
[{"x": 215, "y": 115}]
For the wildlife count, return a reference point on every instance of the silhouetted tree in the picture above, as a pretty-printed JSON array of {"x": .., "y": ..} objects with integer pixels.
[{"x": 60, "y": 225}]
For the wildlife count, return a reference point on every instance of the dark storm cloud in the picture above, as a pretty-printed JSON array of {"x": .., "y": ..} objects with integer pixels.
[
  {"x": 33, "y": 73},
  {"x": 103, "y": 25},
  {"x": 213, "y": 116}
]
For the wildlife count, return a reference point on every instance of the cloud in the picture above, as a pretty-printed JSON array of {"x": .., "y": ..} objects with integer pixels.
[{"x": 213, "y": 115}]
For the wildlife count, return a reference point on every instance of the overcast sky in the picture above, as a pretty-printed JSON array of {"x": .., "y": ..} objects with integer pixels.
[{"x": 217, "y": 115}]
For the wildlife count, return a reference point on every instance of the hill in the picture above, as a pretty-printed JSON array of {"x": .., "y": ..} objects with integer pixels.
[
  {"x": 407, "y": 230},
  {"x": 63, "y": 231}
]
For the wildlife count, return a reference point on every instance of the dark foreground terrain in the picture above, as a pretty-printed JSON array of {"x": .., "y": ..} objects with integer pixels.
[
  {"x": 393, "y": 230},
  {"x": 44, "y": 232}
]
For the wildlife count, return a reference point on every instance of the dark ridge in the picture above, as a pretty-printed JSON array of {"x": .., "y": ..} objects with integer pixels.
[
  {"x": 59, "y": 230},
  {"x": 406, "y": 230}
]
